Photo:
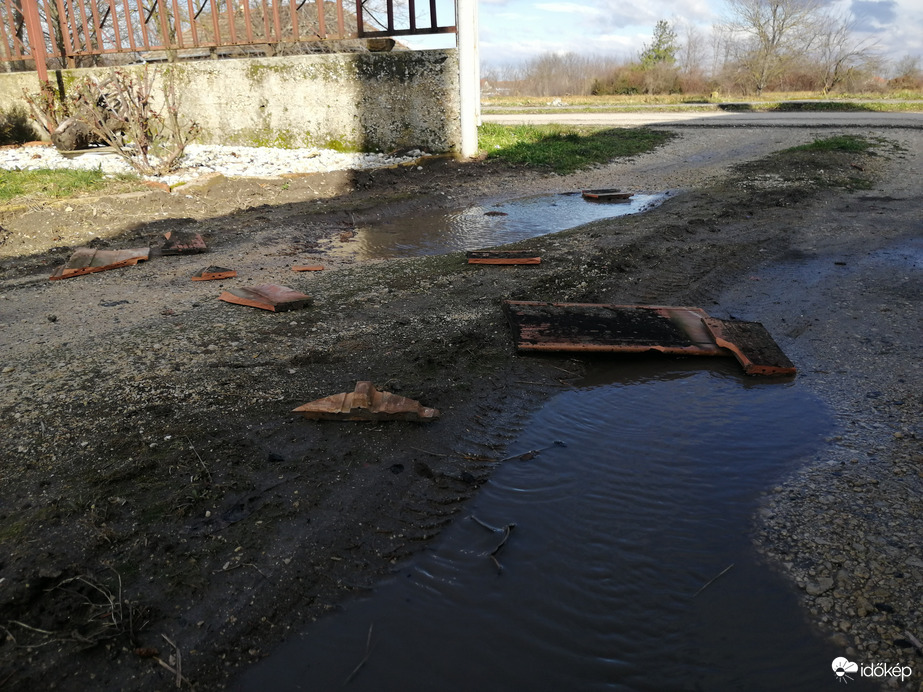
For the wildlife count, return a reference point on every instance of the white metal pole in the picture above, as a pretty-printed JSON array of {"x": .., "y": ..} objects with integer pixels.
[{"x": 469, "y": 75}]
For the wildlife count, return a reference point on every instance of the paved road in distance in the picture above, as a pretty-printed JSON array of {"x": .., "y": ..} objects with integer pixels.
[{"x": 870, "y": 119}]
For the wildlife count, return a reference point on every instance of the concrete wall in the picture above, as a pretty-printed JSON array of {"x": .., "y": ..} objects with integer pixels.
[{"x": 352, "y": 101}]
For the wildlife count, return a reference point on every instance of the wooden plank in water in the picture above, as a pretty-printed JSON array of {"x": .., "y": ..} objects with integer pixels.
[
  {"x": 503, "y": 257},
  {"x": 752, "y": 345},
  {"x": 542, "y": 326}
]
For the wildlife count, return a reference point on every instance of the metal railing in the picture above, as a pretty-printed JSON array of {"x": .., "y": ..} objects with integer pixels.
[{"x": 75, "y": 33}]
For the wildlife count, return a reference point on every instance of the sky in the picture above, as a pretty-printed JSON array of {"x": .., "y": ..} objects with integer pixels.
[{"x": 514, "y": 31}]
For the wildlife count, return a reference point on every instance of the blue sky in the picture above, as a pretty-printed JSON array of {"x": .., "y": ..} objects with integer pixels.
[{"x": 513, "y": 31}]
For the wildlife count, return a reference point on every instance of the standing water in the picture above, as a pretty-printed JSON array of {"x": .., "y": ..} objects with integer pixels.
[
  {"x": 478, "y": 227},
  {"x": 605, "y": 582}
]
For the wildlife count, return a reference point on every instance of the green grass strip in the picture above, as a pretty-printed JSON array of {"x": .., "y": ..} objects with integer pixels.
[
  {"x": 565, "y": 149},
  {"x": 50, "y": 184}
]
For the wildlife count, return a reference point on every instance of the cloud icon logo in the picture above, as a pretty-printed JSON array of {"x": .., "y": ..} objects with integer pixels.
[{"x": 841, "y": 666}]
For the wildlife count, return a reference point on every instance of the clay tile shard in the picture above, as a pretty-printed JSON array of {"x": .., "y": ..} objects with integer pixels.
[
  {"x": 503, "y": 257},
  {"x": 87, "y": 260},
  {"x": 367, "y": 403},
  {"x": 182, "y": 243},
  {"x": 213, "y": 273},
  {"x": 752, "y": 346},
  {"x": 588, "y": 327},
  {"x": 608, "y": 195},
  {"x": 307, "y": 268},
  {"x": 267, "y": 297}
]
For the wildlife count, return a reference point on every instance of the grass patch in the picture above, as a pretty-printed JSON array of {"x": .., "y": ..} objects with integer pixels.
[
  {"x": 846, "y": 162},
  {"x": 844, "y": 143},
  {"x": 57, "y": 184},
  {"x": 565, "y": 149}
]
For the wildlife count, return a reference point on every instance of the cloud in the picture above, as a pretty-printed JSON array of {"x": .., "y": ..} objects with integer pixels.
[
  {"x": 874, "y": 16},
  {"x": 568, "y": 8}
]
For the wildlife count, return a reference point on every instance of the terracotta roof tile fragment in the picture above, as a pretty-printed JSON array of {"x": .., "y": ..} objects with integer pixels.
[
  {"x": 267, "y": 297},
  {"x": 182, "y": 243},
  {"x": 87, "y": 260},
  {"x": 368, "y": 404},
  {"x": 503, "y": 257},
  {"x": 213, "y": 273},
  {"x": 604, "y": 328}
]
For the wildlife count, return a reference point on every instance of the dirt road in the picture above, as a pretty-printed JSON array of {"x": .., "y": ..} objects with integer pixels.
[{"x": 159, "y": 497}]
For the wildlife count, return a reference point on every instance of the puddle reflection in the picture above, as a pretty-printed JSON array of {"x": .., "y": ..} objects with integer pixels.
[
  {"x": 478, "y": 227},
  {"x": 601, "y": 581}
]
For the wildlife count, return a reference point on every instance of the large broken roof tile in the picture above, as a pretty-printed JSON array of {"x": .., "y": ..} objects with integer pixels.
[
  {"x": 590, "y": 327},
  {"x": 87, "y": 260},
  {"x": 267, "y": 297}
]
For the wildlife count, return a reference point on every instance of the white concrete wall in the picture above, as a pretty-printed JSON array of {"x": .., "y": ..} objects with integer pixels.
[{"x": 364, "y": 101}]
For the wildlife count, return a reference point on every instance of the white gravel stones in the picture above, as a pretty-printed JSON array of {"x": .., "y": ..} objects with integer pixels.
[{"x": 201, "y": 159}]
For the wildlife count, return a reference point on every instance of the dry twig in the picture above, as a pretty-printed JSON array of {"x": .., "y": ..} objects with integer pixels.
[
  {"x": 913, "y": 640},
  {"x": 713, "y": 579},
  {"x": 368, "y": 652}
]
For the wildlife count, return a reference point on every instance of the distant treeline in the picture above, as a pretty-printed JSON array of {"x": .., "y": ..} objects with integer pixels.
[{"x": 765, "y": 46}]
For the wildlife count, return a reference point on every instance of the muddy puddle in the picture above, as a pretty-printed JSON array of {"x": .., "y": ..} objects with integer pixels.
[
  {"x": 440, "y": 232},
  {"x": 642, "y": 493}
]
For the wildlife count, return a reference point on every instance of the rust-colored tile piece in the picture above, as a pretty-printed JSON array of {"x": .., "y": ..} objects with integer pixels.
[
  {"x": 752, "y": 346},
  {"x": 610, "y": 195},
  {"x": 182, "y": 243},
  {"x": 87, "y": 260},
  {"x": 367, "y": 403},
  {"x": 267, "y": 297},
  {"x": 307, "y": 268},
  {"x": 213, "y": 273},
  {"x": 156, "y": 185},
  {"x": 587, "y": 327},
  {"x": 502, "y": 257}
]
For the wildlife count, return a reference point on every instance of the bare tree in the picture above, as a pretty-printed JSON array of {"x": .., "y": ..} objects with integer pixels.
[
  {"x": 771, "y": 31},
  {"x": 692, "y": 50},
  {"x": 837, "y": 51},
  {"x": 552, "y": 74}
]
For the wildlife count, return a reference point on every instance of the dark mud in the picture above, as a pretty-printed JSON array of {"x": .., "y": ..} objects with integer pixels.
[{"x": 163, "y": 512}]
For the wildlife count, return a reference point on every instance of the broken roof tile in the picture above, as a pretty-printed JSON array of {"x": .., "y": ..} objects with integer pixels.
[
  {"x": 503, "y": 257},
  {"x": 213, "y": 273},
  {"x": 588, "y": 327},
  {"x": 367, "y": 403},
  {"x": 87, "y": 260},
  {"x": 182, "y": 243},
  {"x": 267, "y": 297}
]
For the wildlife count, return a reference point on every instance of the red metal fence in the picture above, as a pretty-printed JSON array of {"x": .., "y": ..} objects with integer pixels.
[{"x": 74, "y": 33}]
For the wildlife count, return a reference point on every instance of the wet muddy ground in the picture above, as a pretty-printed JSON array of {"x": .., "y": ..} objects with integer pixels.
[{"x": 164, "y": 514}]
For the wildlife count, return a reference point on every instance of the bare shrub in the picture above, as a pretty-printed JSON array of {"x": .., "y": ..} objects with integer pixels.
[
  {"x": 120, "y": 111},
  {"x": 625, "y": 81},
  {"x": 49, "y": 108}
]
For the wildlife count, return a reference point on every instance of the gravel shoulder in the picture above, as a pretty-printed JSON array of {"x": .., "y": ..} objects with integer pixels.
[{"x": 157, "y": 489}]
